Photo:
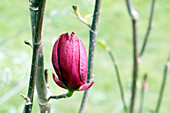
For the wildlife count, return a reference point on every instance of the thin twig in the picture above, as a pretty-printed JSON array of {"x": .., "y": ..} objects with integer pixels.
[
  {"x": 68, "y": 94},
  {"x": 93, "y": 34},
  {"x": 144, "y": 85},
  {"x": 78, "y": 15},
  {"x": 119, "y": 81},
  {"x": 58, "y": 96},
  {"x": 163, "y": 84},
  {"x": 134, "y": 17},
  {"x": 28, "y": 108},
  {"x": 103, "y": 45},
  {"x": 30, "y": 95},
  {"x": 148, "y": 29},
  {"x": 13, "y": 91}
]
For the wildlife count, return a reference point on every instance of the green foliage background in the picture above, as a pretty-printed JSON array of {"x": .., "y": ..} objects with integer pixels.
[{"x": 114, "y": 27}]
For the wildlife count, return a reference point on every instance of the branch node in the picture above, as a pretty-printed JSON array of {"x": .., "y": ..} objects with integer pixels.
[
  {"x": 28, "y": 102},
  {"x": 46, "y": 75},
  {"x": 37, "y": 43},
  {"x": 139, "y": 60},
  {"x": 95, "y": 33},
  {"x": 135, "y": 15},
  {"x": 28, "y": 42},
  {"x": 103, "y": 45},
  {"x": 79, "y": 16},
  {"x": 33, "y": 7},
  {"x": 168, "y": 64}
]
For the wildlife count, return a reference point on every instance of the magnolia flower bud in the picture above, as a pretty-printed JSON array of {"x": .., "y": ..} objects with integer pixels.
[{"x": 69, "y": 60}]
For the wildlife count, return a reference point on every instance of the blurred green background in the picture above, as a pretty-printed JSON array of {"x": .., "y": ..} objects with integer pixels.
[{"x": 114, "y": 27}]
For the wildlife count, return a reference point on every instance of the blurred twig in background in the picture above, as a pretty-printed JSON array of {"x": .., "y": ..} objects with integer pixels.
[
  {"x": 13, "y": 91},
  {"x": 144, "y": 86},
  {"x": 163, "y": 84},
  {"x": 134, "y": 18},
  {"x": 117, "y": 73},
  {"x": 119, "y": 81},
  {"x": 149, "y": 28}
]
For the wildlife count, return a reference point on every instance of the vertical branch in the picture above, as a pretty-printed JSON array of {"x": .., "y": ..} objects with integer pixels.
[
  {"x": 134, "y": 17},
  {"x": 93, "y": 34},
  {"x": 119, "y": 81},
  {"x": 37, "y": 69},
  {"x": 163, "y": 85},
  {"x": 144, "y": 85},
  {"x": 30, "y": 95},
  {"x": 135, "y": 65},
  {"x": 42, "y": 91},
  {"x": 39, "y": 22},
  {"x": 149, "y": 28}
]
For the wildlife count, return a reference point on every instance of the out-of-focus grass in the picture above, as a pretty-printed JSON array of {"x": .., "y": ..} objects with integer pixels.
[{"x": 114, "y": 27}]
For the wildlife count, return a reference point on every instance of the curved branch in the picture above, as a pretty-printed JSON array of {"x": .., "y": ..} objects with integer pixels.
[
  {"x": 149, "y": 28},
  {"x": 163, "y": 84},
  {"x": 119, "y": 81}
]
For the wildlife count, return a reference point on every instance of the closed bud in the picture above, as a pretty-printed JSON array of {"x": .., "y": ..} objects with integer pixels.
[{"x": 69, "y": 60}]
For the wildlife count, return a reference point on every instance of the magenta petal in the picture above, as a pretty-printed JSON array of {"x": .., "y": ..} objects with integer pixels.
[
  {"x": 58, "y": 82},
  {"x": 83, "y": 62},
  {"x": 85, "y": 86},
  {"x": 69, "y": 56},
  {"x": 55, "y": 58},
  {"x": 72, "y": 34}
]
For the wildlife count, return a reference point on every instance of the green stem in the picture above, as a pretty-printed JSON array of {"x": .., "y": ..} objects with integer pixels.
[
  {"x": 119, "y": 81},
  {"x": 69, "y": 94},
  {"x": 79, "y": 17}
]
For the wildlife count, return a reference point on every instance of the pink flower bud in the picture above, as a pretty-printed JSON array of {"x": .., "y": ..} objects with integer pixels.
[
  {"x": 69, "y": 60},
  {"x": 145, "y": 85}
]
